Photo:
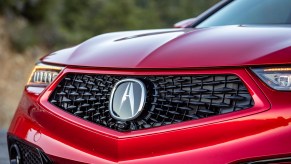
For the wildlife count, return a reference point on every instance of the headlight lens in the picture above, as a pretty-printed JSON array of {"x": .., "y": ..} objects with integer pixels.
[
  {"x": 42, "y": 75},
  {"x": 278, "y": 78}
]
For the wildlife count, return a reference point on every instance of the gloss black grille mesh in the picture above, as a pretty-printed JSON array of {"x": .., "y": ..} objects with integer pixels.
[
  {"x": 170, "y": 99},
  {"x": 28, "y": 153}
]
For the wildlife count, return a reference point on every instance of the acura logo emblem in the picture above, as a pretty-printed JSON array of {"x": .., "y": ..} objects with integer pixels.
[{"x": 127, "y": 99}]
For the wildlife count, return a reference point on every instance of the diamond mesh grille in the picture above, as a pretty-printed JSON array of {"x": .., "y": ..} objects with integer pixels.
[{"x": 170, "y": 99}]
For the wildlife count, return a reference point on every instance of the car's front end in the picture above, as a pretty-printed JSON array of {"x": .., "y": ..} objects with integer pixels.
[{"x": 206, "y": 95}]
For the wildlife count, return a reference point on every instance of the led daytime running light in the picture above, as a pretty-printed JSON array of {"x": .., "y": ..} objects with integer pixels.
[
  {"x": 278, "y": 78},
  {"x": 43, "y": 75},
  {"x": 277, "y": 69}
]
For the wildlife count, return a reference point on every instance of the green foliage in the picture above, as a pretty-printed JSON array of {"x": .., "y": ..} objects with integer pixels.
[{"x": 59, "y": 23}]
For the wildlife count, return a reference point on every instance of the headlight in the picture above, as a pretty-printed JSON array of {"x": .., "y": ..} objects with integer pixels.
[
  {"x": 42, "y": 75},
  {"x": 278, "y": 78}
]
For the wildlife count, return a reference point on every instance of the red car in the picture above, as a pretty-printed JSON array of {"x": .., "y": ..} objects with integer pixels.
[{"x": 215, "y": 91}]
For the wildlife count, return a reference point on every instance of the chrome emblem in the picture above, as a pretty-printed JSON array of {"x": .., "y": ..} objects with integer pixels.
[{"x": 127, "y": 99}]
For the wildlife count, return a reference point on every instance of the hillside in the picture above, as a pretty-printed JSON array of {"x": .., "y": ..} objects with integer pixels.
[{"x": 14, "y": 71}]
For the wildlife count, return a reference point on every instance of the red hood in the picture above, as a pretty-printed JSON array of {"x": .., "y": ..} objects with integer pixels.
[{"x": 181, "y": 48}]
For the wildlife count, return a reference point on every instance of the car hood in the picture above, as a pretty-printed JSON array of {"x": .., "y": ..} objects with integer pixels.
[{"x": 181, "y": 48}]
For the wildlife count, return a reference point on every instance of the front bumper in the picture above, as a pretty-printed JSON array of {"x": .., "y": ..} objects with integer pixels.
[{"x": 256, "y": 133}]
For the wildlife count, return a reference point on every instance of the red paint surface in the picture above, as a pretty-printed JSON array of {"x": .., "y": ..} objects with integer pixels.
[
  {"x": 260, "y": 132},
  {"x": 263, "y": 130},
  {"x": 181, "y": 48}
]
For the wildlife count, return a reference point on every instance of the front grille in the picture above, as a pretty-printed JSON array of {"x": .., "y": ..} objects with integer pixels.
[
  {"x": 170, "y": 99},
  {"x": 26, "y": 153}
]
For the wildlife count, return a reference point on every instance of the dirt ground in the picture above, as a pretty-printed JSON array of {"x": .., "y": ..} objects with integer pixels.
[{"x": 15, "y": 68}]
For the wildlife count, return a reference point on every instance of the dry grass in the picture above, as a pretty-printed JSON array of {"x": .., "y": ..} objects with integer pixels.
[{"x": 14, "y": 71}]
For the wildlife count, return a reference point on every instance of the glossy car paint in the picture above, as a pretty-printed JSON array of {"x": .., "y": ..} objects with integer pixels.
[
  {"x": 252, "y": 133},
  {"x": 185, "y": 23},
  {"x": 183, "y": 48},
  {"x": 260, "y": 132}
]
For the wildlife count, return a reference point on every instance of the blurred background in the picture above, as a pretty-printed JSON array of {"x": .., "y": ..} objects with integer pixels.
[{"x": 30, "y": 29}]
